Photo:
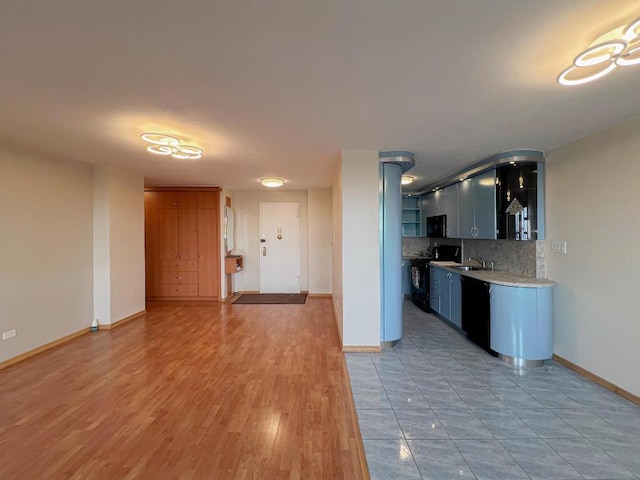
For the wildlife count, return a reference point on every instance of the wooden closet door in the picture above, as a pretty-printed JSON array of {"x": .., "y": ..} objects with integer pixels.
[
  {"x": 168, "y": 233},
  {"x": 208, "y": 253},
  {"x": 188, "y": 233},
  {"x": 152, "y": 267}
]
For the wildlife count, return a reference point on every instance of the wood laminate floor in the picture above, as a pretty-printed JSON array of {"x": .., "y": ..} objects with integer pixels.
[{"x": 189, "y": 392}]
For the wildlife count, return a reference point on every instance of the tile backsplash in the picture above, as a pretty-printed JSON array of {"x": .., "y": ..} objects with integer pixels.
[{"x": 526, "y": 258}]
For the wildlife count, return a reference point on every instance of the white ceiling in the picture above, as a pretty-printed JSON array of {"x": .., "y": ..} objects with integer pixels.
[{"x": 279, "y": 87}]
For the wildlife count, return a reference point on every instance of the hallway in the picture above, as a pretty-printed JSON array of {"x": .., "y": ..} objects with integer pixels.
[{"x": 189, "y": 391}]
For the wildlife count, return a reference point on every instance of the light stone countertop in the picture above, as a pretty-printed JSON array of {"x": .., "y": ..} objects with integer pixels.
[{"x": 497, "y": 277}]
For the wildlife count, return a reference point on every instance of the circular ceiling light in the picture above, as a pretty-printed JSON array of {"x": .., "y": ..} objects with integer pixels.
[
  {"x": 602, "y": 52},
  {"x": 632, "y": 31},
  {"x": 407, "y": 179},
  {"x": 160, "y": 139},
  {"x": 163, "y": 144},
  {"x": 584, "y": 74},
  {"x": 272, "y": 182},
  {"x": 630, "y": 56}
]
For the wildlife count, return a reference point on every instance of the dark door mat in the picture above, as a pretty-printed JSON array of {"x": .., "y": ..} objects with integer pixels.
[{"x": 273, "y": 298}]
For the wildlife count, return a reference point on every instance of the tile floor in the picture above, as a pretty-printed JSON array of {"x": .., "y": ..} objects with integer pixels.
[{"x": 437, "y": 407}]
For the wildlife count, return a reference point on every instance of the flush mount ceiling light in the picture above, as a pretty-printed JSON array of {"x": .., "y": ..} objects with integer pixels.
[
  {"x": 619, "y": 47},
  {"x": 272, "y": 182},
  {"x": 163, "y": 144},
  {"x": 407, "y": 179}
]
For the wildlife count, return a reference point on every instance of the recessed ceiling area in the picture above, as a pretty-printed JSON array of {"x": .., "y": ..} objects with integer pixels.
[{"x": 277, "y": 89}]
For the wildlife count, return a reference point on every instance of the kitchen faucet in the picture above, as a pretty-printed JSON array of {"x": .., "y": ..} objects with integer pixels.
[{"x": 480, "y": 260}]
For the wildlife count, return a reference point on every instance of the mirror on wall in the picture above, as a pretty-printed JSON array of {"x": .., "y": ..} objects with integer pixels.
[{"x": 228, "y": 229}]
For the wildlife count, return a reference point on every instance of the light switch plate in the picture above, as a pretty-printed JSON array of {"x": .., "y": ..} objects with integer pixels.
[{"x": 558, "y": 247}]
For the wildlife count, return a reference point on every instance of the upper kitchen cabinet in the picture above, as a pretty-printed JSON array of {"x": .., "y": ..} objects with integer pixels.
[
  {"x": 451, "y": 210},
  {"x": 411, "y": 216},
  {"x": 477, "y": 206},
  {"x": 519, "y": 199},
  {"x": 435, "y": 203}
]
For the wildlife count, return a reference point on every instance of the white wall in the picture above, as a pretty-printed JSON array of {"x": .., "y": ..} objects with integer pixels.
[
  {"x": 592, "y": 203},
  {"x": 46, "y": 250},
  {"x": 320, "y": 233},
  {"x": 119, "y": 263},
  {"x": 336, "y": 262},
  {"x": 360, "y": 248},
  {"x": 246, "y": 206},
  {"x": 223, "y": 275}
]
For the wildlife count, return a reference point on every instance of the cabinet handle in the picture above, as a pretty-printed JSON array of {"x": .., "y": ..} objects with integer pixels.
[{"x": 178, "y": 278}]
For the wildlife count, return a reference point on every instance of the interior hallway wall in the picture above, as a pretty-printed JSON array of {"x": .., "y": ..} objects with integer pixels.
[
  {"x": 119, "y": 262},
  {"x": 46, "y": 250},
  {"x": 320, "y": 235},
  {"x": 592, "y": 204},
  {"x": 246, "y": 205}
]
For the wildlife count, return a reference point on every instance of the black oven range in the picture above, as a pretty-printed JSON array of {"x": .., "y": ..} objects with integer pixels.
[{"x": 420, "y": 273}]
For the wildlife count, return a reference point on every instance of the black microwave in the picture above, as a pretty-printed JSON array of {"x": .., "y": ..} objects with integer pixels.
[{"x": 437, "y": 226}]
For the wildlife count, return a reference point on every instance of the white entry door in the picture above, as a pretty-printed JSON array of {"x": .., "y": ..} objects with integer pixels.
[{"x": 279, "y": 248}]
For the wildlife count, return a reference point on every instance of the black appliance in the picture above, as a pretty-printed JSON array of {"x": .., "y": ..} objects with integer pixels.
[
  {"x": 437, "y": 226},
  {"x": 420, "y": 274},
  {"x": 476, "y": 312}
]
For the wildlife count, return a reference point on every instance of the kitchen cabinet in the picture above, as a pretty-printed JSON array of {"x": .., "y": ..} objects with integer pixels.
[
  {"x": 445, "y": 296},
  {"x": 455, "y": 296},
  {"x": 182, "y": 250},
  {"x": 519, "y": 194},
  {"x": 521, "y": 326},
  {"x": 451, "y": 210},
  {"x": 411, "y": 216},
  {"x": 435, "y": 203},
  {"x": 406, "y": 278},
  {"x": 434, "y": 288},
  {"x": 477, "y": 206}
]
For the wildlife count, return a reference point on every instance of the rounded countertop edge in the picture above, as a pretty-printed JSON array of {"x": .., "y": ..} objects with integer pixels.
[{"x": 498, "y": 277}]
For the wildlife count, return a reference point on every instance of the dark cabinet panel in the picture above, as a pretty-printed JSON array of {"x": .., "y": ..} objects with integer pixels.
[{"x": 476, "y": 312}]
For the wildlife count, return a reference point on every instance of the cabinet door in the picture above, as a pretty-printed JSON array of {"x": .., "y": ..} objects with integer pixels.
[
  {"x": 445, "y": 305},
  {"x": 187, "y": 233},
  {"x": 484, "y": 191},
  {"x": 151, "y": 249},
  {"x": 188, "y": 199},
  {"x": 465, "y": 209},
  {"x": 208, "y": 199},
  {"x": 440, "y": 198},
  {"x": 428, "y": 205},
  {"x": 208, "y": 256},
  {"x": 406, "y": 278},
  {"x": 453, "y": 230},
  {"x": 167, "y": 199},
  {"x": 434, "y": 294},
  {"x": 456, "y": 299},
  {"x": 167, "y": 232}
]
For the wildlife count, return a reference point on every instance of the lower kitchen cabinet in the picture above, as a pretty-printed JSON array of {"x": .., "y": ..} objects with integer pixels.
[
  {"x": 521, "y": 326},
  {"x": 446, "y": 295},
  {"x": 456, "y": 299},
  {"x": 434, "y": 288},
  {"x": 406, "y": 278}
]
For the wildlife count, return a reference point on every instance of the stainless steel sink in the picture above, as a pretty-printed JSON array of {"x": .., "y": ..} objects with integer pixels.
[{"x": 466, "y": 268}]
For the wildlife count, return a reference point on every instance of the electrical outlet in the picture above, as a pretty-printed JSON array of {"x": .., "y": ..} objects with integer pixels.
[
  {"x": 9, "y": 334},
  {"x": 558, "y": 247}
]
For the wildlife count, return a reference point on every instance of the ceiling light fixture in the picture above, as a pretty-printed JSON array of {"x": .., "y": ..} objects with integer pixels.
[
  {"x": 622, "y": 48},
  {"x": 272, "y": 182},
  {"x": 407, "y": 179},
  {"x": 163, "y": 144}
]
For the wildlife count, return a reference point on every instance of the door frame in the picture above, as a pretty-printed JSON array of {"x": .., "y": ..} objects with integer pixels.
[{"x": 260, "y": 245}]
